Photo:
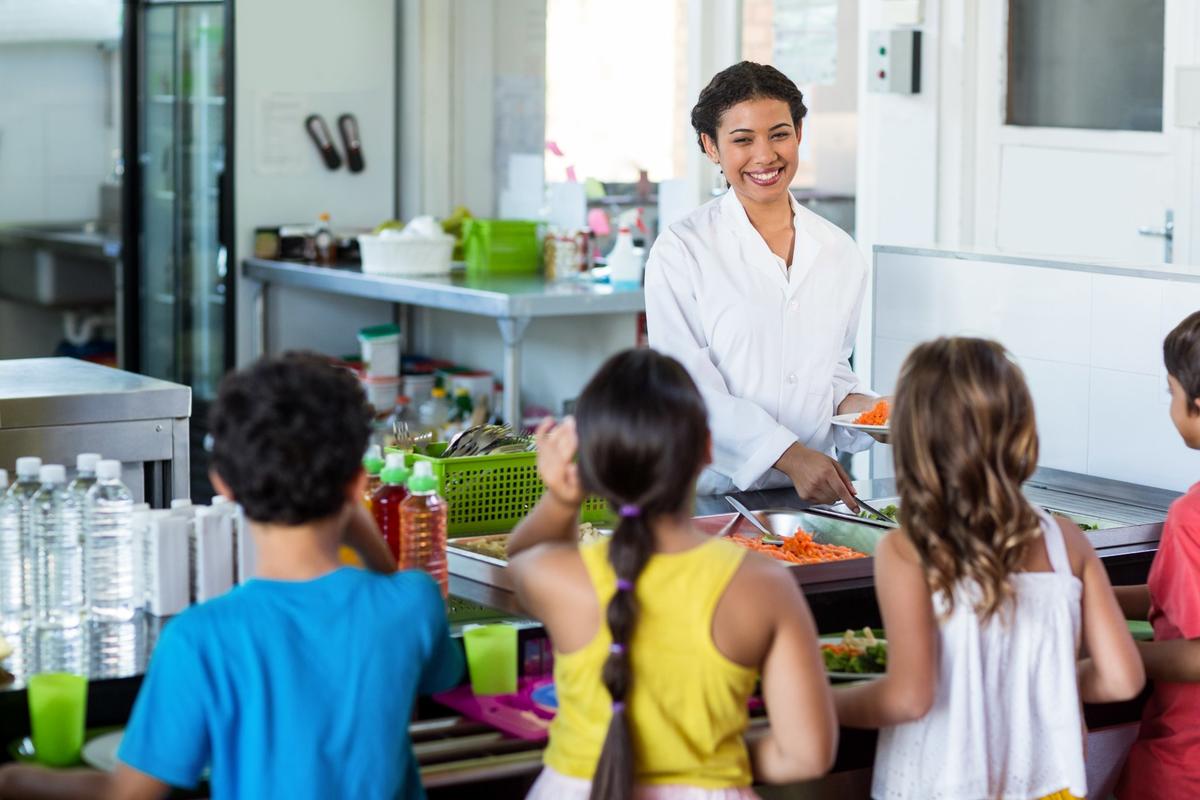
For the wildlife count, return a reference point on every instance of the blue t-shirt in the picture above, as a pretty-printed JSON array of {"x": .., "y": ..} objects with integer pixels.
[{"x": 295, "y": 689}]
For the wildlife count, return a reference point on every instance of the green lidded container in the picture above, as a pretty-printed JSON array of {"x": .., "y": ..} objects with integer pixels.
[
  {"x": 491, "y": 494},
  {"x": 501, "y": 247}
]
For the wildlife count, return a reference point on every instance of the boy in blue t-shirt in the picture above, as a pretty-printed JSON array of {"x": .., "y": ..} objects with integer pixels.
[{"x": 300, "y": 683}]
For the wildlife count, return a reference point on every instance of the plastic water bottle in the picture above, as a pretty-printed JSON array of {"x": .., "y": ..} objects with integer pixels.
[
  {"x": 57, "y": 554},
  {"x": 18, "y": 601},
  {"x": 12, "y": 555},
  {"x": 423, "y": 518},
  {"x": 73, "y": 511},
  {"x": 111, "y": 588}
]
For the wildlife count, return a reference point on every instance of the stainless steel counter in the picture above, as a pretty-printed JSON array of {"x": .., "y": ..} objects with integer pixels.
[
  {"x": 56, "y": 408},
  {"x": 512, "y": 301},
  {"x": 59, "y": 266}
]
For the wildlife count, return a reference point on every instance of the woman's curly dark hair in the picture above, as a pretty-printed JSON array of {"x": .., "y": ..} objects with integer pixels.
[
  {"x": 288, "y": 436},
  {"x": 736, "y": 84}
]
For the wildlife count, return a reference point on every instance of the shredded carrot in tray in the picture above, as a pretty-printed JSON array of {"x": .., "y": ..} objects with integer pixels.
[
  {"x": 800, "y": 549},
  {"x": 878, "y": 415}
]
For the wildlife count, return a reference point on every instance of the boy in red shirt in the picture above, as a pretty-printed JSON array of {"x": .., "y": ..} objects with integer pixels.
[{"x": 1165, "y": 761}]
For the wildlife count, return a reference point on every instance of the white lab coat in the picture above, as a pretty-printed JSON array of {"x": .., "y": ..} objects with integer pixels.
[{"x": 768, "y": 346}]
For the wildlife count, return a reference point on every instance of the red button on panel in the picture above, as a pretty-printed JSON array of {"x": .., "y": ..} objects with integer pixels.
[{"x": 882, "y": 74}]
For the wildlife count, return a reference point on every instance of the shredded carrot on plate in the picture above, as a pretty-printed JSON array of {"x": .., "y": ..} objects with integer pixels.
[
  {"x": 878, "y": 415},
  {"x": 799, "y": 549}
]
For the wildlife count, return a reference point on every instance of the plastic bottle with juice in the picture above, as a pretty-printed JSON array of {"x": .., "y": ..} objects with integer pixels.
[
  {"x": 372, "y": 464},
  {"x": 388, "y": 500},
  {"x": 423, "y": 519}
]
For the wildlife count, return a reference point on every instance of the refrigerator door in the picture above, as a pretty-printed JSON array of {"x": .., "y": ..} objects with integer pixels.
[{"x": 183, "y": 271}]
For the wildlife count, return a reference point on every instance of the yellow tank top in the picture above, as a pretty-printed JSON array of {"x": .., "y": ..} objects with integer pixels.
[{"x": 687, "y": 704}]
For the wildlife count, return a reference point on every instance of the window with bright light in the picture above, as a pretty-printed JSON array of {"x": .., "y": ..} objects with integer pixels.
[{"x": 616, "y": 89}]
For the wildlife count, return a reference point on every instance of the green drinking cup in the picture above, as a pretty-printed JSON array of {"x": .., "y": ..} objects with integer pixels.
[
  {"x": 492, "y": 658},
  {"x": 57, "y": 709}
]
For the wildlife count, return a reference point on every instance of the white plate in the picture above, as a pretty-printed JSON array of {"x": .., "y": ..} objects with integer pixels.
[
  {"x": 849, "y": 676},
  {"x": 847, "y": 421},
  {"x": 101, "y": 752}
]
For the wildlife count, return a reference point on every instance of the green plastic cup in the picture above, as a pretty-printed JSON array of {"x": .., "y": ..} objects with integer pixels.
[
  {"x": 492, "y": 658},
  {"x": 57, "y": 709}
]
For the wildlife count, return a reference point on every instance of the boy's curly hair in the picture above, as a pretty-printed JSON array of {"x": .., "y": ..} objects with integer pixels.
[
  {"x": 288, "y": 436},
  {"x": 1181, "y": 352}
]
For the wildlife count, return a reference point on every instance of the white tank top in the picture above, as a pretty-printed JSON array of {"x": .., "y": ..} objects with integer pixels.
[{"x": 1006, "y": 721}]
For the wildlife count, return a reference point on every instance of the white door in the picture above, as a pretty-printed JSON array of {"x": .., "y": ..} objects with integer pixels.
[{"x": 1077, "y": 145}]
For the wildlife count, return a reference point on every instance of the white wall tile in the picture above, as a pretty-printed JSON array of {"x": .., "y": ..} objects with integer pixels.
[
  {"x": 1125, "y": 324},
  {"x": 1131, "y": 436},
  {"x": 1059, "y": 398}
]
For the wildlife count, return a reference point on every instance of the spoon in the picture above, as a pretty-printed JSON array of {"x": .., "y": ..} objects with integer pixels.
[{"x": 768, "y": 537}]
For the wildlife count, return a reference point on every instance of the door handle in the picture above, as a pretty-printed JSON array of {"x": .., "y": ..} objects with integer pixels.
[{"x": 1167, "y": 232}]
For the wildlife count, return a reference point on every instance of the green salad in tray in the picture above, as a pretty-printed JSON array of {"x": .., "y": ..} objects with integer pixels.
[{"x": 855, "y": 654}]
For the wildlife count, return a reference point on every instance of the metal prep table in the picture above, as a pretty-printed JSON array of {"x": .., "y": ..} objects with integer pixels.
[
  {"x": 56, "y": 408},
  {"x": 512, "y": 301}
]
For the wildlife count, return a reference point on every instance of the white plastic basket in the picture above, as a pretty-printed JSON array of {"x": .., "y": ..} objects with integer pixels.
[{"x": 390, "y": 255}]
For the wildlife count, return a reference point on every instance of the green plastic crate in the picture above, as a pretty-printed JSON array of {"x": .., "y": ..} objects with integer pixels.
[
  {"x": 491, "y": 494},
  {"x": 501, "y": 247}
]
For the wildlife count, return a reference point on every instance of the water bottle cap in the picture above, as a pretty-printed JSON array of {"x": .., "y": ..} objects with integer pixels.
[
  {"x": 422, "y": 479},
  {"x": 108, "y": 469},
  {"x": 3, "y": 479},
  {"x": 373, "y": 461},
  {"x": 52, "y": 473},
  {"x": 181, "y": 502},
  {"x": 396, "y": 472},
  {"x": 86, "y": 462},
  {"x": 28, "y": 466}
]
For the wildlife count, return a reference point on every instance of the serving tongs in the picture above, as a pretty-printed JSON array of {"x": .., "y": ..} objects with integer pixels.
[
  {"x": 767, "y": 536},
  {"x": 870, "y": 509}
]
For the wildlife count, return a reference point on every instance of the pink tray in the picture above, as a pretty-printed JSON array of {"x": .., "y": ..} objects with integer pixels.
[{"x": 514, "y": 714}]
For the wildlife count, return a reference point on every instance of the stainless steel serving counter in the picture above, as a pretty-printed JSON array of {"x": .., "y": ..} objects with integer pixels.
[
  {"x": 56, "y": 408},
  {"x": 512, "y": 301}
]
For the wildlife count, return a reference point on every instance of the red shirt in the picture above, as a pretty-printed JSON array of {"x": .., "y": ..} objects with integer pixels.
[{"x": 1165, "y": 761}]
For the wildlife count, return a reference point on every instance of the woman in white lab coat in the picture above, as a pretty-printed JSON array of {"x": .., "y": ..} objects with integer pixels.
[{"x": 760, "y": 298}]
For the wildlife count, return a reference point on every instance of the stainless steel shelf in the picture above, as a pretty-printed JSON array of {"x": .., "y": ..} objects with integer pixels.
[
  {"x": 496, "y": 297},
  {"x": 512, "y": 301}
]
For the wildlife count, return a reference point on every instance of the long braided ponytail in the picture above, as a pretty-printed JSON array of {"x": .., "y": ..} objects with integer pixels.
[{"x": 643, "y": 438}]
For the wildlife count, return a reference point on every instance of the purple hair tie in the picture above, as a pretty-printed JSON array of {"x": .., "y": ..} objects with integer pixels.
[
  {"x": 616, "y": 648},
  {"x": 624, "y": 585},
  {"x": 630, "y": 512},
  {"x": 618, "y": 707}
]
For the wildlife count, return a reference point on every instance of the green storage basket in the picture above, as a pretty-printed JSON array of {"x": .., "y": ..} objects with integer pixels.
[
  {"x": 501, "y": 247},
  {"x": 491, "y": 494}
]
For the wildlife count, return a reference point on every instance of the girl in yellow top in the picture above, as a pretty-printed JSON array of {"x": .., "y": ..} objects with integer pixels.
[{"x": 662, "y": 632}]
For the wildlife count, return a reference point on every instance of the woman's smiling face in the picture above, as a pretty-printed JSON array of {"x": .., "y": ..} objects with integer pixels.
[{"x": 756, "y": 148}]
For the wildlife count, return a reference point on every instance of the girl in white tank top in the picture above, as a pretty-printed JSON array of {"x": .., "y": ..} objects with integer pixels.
[{"x": 986, "y": 600}]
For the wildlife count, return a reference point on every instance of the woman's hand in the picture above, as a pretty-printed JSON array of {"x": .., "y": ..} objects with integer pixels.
[
  {"x": 817, "y": 477},
  {"x": 556, "y": 447}
]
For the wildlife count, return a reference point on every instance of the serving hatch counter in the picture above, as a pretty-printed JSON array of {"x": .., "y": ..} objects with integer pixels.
[{"x": 841, "y": 593}]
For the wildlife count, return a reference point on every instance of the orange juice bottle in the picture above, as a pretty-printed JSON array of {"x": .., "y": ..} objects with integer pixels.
[
  {"x": 386, "y": 502},
  {"x": 423, "y": 520},
  {"x": 372, "y": 464}
]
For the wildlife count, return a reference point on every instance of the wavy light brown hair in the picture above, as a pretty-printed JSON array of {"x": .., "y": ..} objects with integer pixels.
[{"x": 965, "y": 441}]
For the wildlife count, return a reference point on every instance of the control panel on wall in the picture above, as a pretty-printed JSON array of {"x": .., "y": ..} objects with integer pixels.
[{"x": 894, "y": 61}]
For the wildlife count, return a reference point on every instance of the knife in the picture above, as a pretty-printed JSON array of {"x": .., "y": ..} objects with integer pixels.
[{"x": 767, "y": 535}]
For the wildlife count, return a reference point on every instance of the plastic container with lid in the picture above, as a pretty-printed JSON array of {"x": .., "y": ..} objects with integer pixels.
[{"x": 380, "y": 347}]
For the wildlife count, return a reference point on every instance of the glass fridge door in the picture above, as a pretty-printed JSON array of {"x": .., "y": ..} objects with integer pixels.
[{"x": 183, "y": 267}]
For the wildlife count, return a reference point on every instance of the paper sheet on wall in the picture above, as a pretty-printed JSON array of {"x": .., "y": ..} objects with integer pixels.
[
  {"x": 279, "y": 135},
  {"x": 806, "y": 40}
]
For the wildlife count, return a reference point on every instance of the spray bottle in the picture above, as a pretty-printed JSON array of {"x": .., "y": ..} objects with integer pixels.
[{"x": 625, "y": 261}]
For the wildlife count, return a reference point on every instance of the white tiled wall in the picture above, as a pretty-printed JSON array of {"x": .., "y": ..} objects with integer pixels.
[
  {"x": 58, "y": 128},
  {"x": 1090, "y": 344}
]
